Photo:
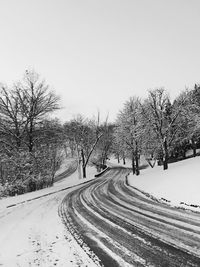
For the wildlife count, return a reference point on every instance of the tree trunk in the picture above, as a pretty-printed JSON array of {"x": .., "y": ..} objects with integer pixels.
[
  {"x": 133, "y": 164},
  {"x": 103, "y": 158},
  {"x": 118, "y": 160},
  {"x": 184, "y": 153},
  {"x": 30, "y": 145},
  {"x": 165, "y": 155},
  {"x": 1, "y": 174},
  {"x": 137, "y": 171},
  {"x": 194, "y": 148},
  {"x": 83, "y": 164},
  {"x": 165, "y": 163},
  {"x": 84, "y": 171},
  {"x": 18, "y": 141},
  {"x": 124, "y": 160}
]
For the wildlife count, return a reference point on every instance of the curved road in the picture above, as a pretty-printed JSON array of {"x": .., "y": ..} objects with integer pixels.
[
  {"x": 32, "y": 233},
  {"x": 116, "y": 225}
]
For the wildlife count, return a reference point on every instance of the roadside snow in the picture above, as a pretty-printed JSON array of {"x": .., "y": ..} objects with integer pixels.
[
  {"x": 70, "y": 181},
  {"x": 179, "y": 185},
  {"x": 32, "y": 233}
]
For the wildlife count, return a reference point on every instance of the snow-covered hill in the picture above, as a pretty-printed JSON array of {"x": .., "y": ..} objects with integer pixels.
[{"x": 179, "y": 185}]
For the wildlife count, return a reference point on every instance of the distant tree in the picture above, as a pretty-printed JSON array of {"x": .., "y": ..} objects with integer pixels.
[
  {"x": 86, "y": 135},
  {"x": 104, "y": 146},
  {"x": 129, "y": 129},
  {"x": 150, "y": 147},
  {"x": 119, "y": 147},
  {"x": 194, "y": 117},
  {"x": 189, "y": 120},
  {"x": 70, "y": 144},
  {"x": 161, "y": 117}
]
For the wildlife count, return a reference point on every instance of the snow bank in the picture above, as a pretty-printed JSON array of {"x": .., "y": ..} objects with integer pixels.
[
  {"x": 179, "y": 185},
  {"x": 70, "y": 181},
  {"x": 32, "y": 234}
]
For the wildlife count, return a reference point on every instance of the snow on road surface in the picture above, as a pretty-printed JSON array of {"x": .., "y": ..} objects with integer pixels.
[
  {"x": 179, "y": 185},
  {"x": 32, "y": 233},
  {"x": 125, "y": 228}
]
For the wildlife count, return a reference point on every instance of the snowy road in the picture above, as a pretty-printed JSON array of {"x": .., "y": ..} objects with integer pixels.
[
  {"x": 118, "y": 226},
  {"x": 32, "y": 234},
  {"x": 114, "y": 225}
]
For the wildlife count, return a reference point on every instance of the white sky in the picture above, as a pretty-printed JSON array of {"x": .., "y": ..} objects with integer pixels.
[{"x": 98, "y": 53}]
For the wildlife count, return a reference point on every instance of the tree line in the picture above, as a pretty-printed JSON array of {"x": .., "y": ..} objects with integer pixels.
[
  {"x": 33, "y": 144},
  {"x": 158, "y": 128},
  {"x": 30, "y": 142}
]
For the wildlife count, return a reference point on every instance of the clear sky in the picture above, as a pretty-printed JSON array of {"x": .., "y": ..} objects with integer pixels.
[{"x": 98, "y": 53}]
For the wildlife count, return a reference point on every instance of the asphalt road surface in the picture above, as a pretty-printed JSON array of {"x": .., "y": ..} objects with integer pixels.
[{"x": 116, "y": 225}]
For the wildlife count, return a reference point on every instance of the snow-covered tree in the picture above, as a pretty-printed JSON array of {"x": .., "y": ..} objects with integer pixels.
[
  {"x": 36, "y": 102},
  {"x": 161, "y": 117},
  {"x": 27, "y": 153},
  {"x": 105, "y": 145},
  {"x": 189, "y": 120},
  {"x": 119, "y": 147},
  {"x": 86, "y": 135},
  {"x": 129, "y": 130}
]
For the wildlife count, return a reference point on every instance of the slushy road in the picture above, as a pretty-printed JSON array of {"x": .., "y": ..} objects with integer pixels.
[{"x": 116, "y": 225}]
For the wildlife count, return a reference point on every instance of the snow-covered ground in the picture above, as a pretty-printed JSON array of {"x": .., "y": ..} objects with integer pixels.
[
  {"x": 32, "y": 233},
  {"x": 113, "y": 162},
  {"x": 179, "y": 185},
  {"x": 70, "y": 181}
]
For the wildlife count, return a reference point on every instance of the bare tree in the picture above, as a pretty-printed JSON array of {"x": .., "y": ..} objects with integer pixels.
[
  {"x": 12, "y": 126},
  {"x": 86, "y": 135},
  {"x": 129, "y": 130},
  {"x": 36, "y": 102},
  {"x": 105, "y": 144},
  {"x": 27, "y": 155}
]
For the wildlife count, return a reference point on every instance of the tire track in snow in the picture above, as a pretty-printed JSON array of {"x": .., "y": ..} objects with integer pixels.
[{"x": 121, "y": 227}]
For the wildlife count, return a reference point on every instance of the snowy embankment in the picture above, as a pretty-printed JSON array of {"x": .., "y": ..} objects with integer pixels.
[
  {"x": 32, "y": 233},
  {"x": 67, "y": 182},
  {"x": 177, "y": 186}
]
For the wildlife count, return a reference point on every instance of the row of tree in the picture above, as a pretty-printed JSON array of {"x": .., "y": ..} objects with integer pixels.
[
  {"x": 32, "y": 144},
  {"x": 158, "y": 128},
  {"x": 90, "y": 140}
]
